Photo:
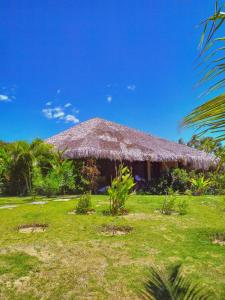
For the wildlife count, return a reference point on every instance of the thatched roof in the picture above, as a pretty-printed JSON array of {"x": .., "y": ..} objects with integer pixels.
[{"x": 99, "y": 138}]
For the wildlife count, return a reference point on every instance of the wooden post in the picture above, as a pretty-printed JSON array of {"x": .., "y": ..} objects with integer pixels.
[{"x": 148, "y": 170}]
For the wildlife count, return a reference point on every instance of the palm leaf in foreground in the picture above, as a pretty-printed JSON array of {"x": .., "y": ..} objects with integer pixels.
[
  {"x": 172, "y": 286},
  {"x": 210, "y": 116}
]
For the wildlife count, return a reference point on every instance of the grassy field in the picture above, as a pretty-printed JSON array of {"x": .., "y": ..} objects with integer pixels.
[{"x": 73, "y": 260}]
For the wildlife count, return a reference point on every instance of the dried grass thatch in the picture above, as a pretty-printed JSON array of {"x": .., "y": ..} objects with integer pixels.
[{"x": 99, "y": 138}]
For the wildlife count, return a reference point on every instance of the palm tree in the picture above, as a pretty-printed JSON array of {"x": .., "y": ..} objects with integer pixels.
[
  {"x": 172, "y": 286},
  {"x": 210, "y": 116}
]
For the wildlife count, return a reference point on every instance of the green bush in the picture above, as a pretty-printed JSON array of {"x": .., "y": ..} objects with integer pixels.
[
  {"x": 120, "y": 190},
  {"x": 84, "y": 204},
  {"x": 172, "y": 204},
  {"x": 180, "y": 180},
  {"x": 51, "y": 184},
  {"x": 200, "y": 185},
  {"x": 182, "y": 206},
  {"x": 168, "y": 205}
]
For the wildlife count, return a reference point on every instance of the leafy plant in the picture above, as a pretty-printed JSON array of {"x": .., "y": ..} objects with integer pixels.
[
  {"x": 51, "y": 184},
  {"x": 84, "y": 204},
  {"x": 168, "y": 206},
  {"x": 180, "y": 180},
  {"x": 210, "y": 116},
  {"x": 182, "y": 206},
  {"x": 172, "y": 285},
  {"x": 120, "y": 190},
  {"x": 200, "y": 184}
]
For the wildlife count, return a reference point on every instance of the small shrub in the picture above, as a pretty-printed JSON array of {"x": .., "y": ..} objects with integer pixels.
[
  {"x": 84, "y": 205},
  {"x": 120, "y": 190},
  {"x": 171, "y": 204},
  {"x": 168, "y": 206},
  {"x": 180, "y": 180},
  {"x": 200, "y": 184},
  {"x": 188, "y": 192},
  {"x": 182, "y": 207}
]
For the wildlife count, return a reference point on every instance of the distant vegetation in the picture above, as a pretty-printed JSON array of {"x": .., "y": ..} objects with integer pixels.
[{"x": 38, "y": 169}]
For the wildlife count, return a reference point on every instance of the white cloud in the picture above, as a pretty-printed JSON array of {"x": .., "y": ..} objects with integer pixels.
[
  {"x": 67, "y": 105},
  {"x": 109, "y": 98},
  {"x": 71, "y": 118},
  {"x": 53, "y": 113},
  {"x": 131, "y": 87},
  {"x": 58, "y": 113},
  {"x": 47, "y": 113},
  {"x": 48, "y": 103},
  {"x": 4, "y": 98}
]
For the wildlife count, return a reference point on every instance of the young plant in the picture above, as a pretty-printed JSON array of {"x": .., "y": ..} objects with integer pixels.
[
  {"x": 120, "y": 190},
  {"x": 168, "y": 206},
  {"x": 182, "y": 207},
  {"x": 200, "y": 184},
  {"x": 84, "y": 205}
]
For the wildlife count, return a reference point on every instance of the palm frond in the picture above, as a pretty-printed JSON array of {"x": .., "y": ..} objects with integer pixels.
[
  {"x": 172, "y": 285},
  {"x": 210, "y": 117}
]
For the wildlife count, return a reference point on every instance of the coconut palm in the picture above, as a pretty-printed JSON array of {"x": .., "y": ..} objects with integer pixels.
[
  {"x": 210, "y": 116},
  {"x": 172, "y": 286}
]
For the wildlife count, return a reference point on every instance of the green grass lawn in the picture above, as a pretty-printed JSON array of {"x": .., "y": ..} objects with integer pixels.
[{"x": 73, "y": 260}]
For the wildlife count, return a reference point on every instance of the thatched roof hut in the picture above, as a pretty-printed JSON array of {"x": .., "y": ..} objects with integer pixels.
[{"x": 101, "y": 139}]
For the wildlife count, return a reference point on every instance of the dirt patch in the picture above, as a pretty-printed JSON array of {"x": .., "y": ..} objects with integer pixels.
[
  {"x": 38, "y": 202},
  {"x": 137, "y": 216},
  {"x": 110, "y": 230},
  {"x": 218, "y": 239},
  {"x": 90, "y": 212},
  {"x": 63, "y": 200},
  {"x": 8, "y": 206},
  {"x": 31, "y": 228}
]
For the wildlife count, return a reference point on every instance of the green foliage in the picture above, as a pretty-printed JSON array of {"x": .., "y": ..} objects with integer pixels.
[
  {"x": 210, "y": 116},
  {"x": 182, "y": 206},
  {"x": 172, "y": 285},
  {"x": 177, "y": 179},
  {"x": 120, "y": 190},
  {"x": 168, "y": 205},
  {"x": 84, "y": 205},
  {"x": 37, "y": 181},
  {"x": 173, "y": 204},
  {"x": 180, "y": 180},
  {"x": 64, "y": 171},
  {"x": 51, "y": 184},
  {"x": 200, "y": 184},
  {"x": 160, "y": 185},
  {"x": 34, "y": 168},
  {"x": 207, "y": 144}
]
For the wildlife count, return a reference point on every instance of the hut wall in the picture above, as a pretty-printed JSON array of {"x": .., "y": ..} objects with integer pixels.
[{"x": 108, "y": 169}]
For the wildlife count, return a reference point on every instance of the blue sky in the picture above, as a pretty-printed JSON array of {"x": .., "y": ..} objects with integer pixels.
[{"x": 129, "y": 61}]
